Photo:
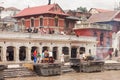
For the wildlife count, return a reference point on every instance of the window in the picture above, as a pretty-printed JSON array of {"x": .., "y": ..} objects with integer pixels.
[
  {"x": 56, "y": 21},
  {"x": 41, "y": 21},
  {"x": 82, "y": 50},
  {"x": 32, "y": 22},
  {"x": 108, "y": 41},
  {"x": 65, "y": 50},
  {"x": 67, "y": 24},
  {"x": 23, "y": 22},
  {"x": 101, "y": 38}
]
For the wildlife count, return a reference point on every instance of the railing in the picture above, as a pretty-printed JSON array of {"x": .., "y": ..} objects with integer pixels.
[
  {"x": 95, "y": 26},
  {"x": 20, "y": 35}
]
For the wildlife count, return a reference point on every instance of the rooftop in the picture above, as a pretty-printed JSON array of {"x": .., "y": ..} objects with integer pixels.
[
  {"x": 103, "y": 17},
  {"x": 52, "y": 9},
  {"x": 100, "y": 10}
]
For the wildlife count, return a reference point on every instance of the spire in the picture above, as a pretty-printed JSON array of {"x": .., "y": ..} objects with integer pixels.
[{"x": 49, "y": 2}]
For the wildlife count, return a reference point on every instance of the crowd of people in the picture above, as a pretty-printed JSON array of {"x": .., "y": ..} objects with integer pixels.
[{"x": 45, "y": 57}]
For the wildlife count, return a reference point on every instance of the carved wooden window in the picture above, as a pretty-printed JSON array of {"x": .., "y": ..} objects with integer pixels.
[
  {"x": 41, "y": 21},
  {"x": 32, "y": 22}
]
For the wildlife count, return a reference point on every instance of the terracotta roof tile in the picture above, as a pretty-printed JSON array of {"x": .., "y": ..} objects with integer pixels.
[
  {"x": 101, "y": 10},
  {"x": 38, "y": 10},
  {"x": 103, "y": 17}
]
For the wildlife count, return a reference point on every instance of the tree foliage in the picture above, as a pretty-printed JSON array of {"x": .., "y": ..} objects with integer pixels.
[{"x": 82, "y": 9}]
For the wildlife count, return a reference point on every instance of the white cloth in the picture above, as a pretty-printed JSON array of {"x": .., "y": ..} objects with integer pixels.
[
  {"x": 82, "y": 56},
  {"x": 50, "y": 54}
]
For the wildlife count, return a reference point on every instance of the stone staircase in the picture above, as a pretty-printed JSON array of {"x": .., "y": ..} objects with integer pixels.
[
  {"x": 14, "y": 70},
  {"x": 18, "y": 72},
  {"x": 66, "y": 69}
]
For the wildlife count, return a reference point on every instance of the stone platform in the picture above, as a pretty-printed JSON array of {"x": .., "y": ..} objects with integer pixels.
[{"x": 112, "y": 65}]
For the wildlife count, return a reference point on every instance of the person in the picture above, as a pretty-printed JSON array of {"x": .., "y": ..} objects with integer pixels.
[
  {"x": 46, "y": 54},
  {"x": 62, "y": 57},
  {"x": 35, "y": 55},
  {"x": 110, "y": 54},
  {"x": 46, "y": 57},
  {"x": 51, "y": 60},
  {"x": 39, "y": 57}
]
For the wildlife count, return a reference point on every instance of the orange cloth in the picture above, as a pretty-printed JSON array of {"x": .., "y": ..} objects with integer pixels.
[{"x": 35, "y": 53}]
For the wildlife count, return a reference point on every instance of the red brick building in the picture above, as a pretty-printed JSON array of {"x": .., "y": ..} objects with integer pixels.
[
  {"x": 47, "y": 18},
  {"x": 104, "y": 26},
  {"x": 101, "y": 25}
]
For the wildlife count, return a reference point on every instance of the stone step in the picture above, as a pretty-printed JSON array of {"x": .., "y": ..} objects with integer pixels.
[
  {"x": 15, "y": 69},
  {"x": 65, "y": 69},
  {"x": 112, "y": 66},
  {"x": 18, "y": 72}
]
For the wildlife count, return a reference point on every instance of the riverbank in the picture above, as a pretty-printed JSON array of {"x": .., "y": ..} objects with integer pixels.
[{"x": 105, "y": 75}]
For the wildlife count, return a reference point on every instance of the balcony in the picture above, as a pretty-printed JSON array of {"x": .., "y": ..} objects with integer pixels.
[{"x": 93, "y": 26}]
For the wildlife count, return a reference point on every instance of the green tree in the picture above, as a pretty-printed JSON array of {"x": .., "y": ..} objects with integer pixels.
[{"x": 82, "y": 9}]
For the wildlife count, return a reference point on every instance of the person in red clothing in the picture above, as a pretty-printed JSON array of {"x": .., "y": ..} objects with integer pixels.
[
  {"x": 110, "y": 54},
  {"x": 35, "y": 55}
]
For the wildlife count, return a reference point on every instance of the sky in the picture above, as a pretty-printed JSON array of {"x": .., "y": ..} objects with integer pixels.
[{"x": 64, "y": 4}]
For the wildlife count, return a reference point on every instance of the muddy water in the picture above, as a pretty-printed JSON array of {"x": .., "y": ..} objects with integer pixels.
[{"x": 106, "y": 75}]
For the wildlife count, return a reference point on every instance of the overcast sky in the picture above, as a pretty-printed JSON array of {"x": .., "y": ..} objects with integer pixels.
[{"x": 64, "y": 4}]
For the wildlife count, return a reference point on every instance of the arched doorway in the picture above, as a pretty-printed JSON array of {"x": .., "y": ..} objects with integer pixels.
[
  {"x": 73, "y": 52},
  {"x": 45, "y": 48},
  {"x": 55, "y": 51},
  {"x": 65, "y": 51},
  {"x": 82, "y": 50},
  {"x": 22, "y": 53},
  {"x": 10, "y": 53},
  {"x": 32, "y": 51}
]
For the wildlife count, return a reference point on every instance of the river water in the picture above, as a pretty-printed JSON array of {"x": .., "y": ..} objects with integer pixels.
[{"x": 106, "y": 75}]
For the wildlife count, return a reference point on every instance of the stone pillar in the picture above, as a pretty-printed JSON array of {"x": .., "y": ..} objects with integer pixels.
[
  {"x": 78, "y": 52},
  {"x": 16, "y": 54},
  {"x": 40, "y": 49},
  {"x": 4, "y": 51},
  {"x": 50, "y": 48},
  {"x": 0, "y": 53},
  {"x": 70, "y": 52},
  {"x": 59, "y": 52},
  {"x": 28, "y": 54}
]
